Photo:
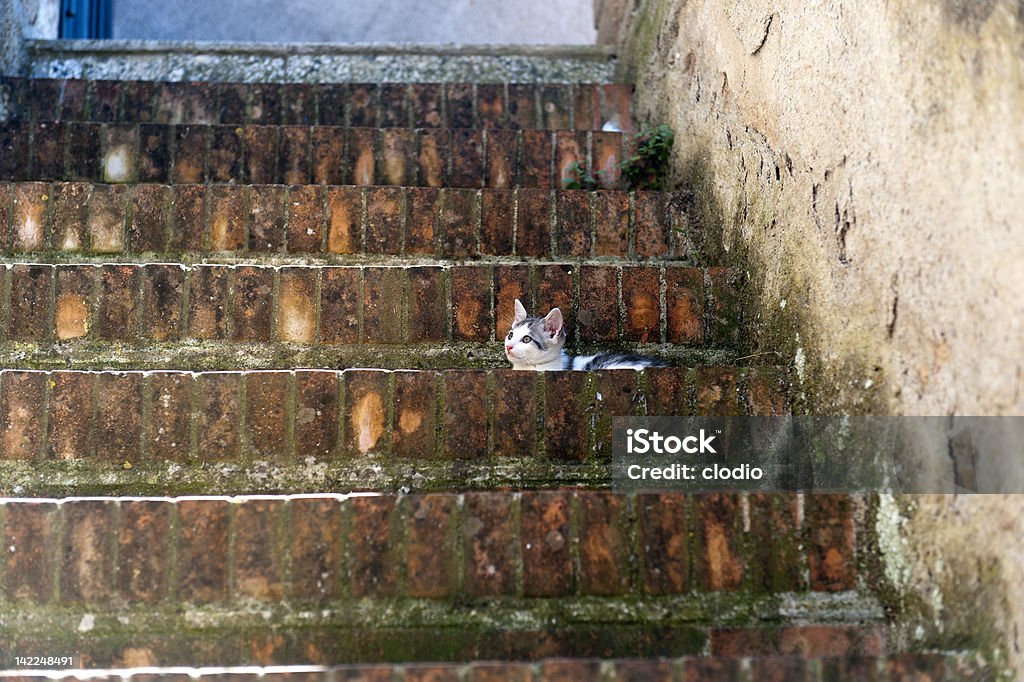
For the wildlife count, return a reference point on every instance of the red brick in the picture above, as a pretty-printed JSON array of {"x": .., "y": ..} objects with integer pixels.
[
  {"x": 426, "y": 105},
  {"x": 684, "y": 309},
  {"x": 316, "y": 551},
  {"x": 316, "y": 414},
  {"x": 305, "y": 219},
  {"x": 14, "y": 151},
  {"x": 298, "y": 102},
  {"x": 253, "y": 303},
  {"x": 533, "y": 233},
  {"x": 612, "y": 103},
  {"x": 433, "y": 158},
  {"x": 510, "y": 282},
  {"x": 48, "y": 163},
  {"x": 460, "y": 105},
  {"x": 170, "y": 102},
  {"x": 832, "y": 543},
  {"x": 372, "y": 545},
  {"x": 546, "y": 539},
  {"x": 190, "y": 154},
  {"x": 344, "y": 225},
  {"x": 489, "y": 534},
  {"x": 361, "y": 161},
  {"x": 260, "y": 154},
  {"x": 554, "y": 105},
  {"x": 569, "y": 409},
  {"x": 497, "y": 222},
  {"x": 74, "y": 301},
  {"x": 187, "y": 218},
  {"x": 427, "y": 310},
  {"x": 611, "y": 224},
  {"x": 107, "y": 208},
  {"x": 720, "y": 567},
  {"x": 118, "y": 145},
  {"x": 118, "y": 416},
  {"x": 143, "y": 550},
  {"x": 266, "y": 104},
  {"x": 219, "y": 412},
  {"x": 293, "y": 155},
  {"x": 147, "y": 229},
  {"x": 431, "y": 672},
  {"x": 201, "y": 103},
  {"x": 572, "y": 232},
  {"x": 207, "y": 302},
  {"x": 297, "y": 307},
  {"x": 491, "y": 105},
  {"x": 340, "y": 305},
  {"x": 29, "y": 216},
  {"x": 397, "y": 156},
  {"x": 570, "y": 154},
  {"x": 87, "y": 552},
  {"x": 471, "y": 313},
  {"x": 653, "y": 230},
  {"x": 21, "y": 408},
  {"x": 920, "y": 667},
  {"x": 766, "y": 389},
  {"x": 117, "y": 305},
  {"x": 83, "y": 152},
  {"x": 716, "y": 392},
  {"x": 583, "y": 117},
  {"x": 641, "y": 297},
  {"x": 856, "y": 668},
  {"x": 227, "y": 218},
  {"x": 422, "y": 206},
  {"x": 226, "y": 154},
  {"x": 266, "y": 415},
  {"x": 501, "y": 158},
  {"x": 328, "y": 154},
  {"x": 598, "y": 316},
  {"x": 362, "y": 105},
  {"x": 232, "y": 101},
  {"x": 415, "y": 417},
  {"x": 202, "y": 556},
  {"x": 555, "y": 290},
  {"x": 515, "y": 413},
  {"x": 643, "y": 671},
  {"x": 603, "y": 543},
  {"x": 259, "y": 536},
  {"x": 154, "y": 164},
  {"x": 776, "y": 563},
  {"x": 618, "y": 396},
  {"x": 698, "y": 668},
  {"x": 169, "y": 416},
  {"x": 665, "y": 567},
  {"x": 366, "y": 410},
  {"x": 382, "y": 304},
  {"x": 30, "y": 302},
  {"x": 266, "y": 217},
  {"x": 569, "y": 669},
  {"x": 460, "y": 215},
  {"x": 501, "y": 672},
  {"x": 30, "y": 528},
  {"x": 162, "y": 297},
  {"x": 430, "y": 546},
  {"x": 813, "y": 641},
  {"x": 607, "y": 155},
  {"x": 465, "y": 414},
  {"x": 467, "y": 158},
  {"x": 71, "y": 415},
  {"x": 522, "y": 106},
  {"x": 384, "y": 220},
  {"x": 394, "y": 107}
]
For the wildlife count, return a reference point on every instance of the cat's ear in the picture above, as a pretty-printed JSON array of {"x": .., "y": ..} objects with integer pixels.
[
  {"x": 553, "y": 322},
  {"x": 520, "y": 313}
]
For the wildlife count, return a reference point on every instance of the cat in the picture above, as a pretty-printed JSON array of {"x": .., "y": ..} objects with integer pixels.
[{"x": 536, "y": 343}]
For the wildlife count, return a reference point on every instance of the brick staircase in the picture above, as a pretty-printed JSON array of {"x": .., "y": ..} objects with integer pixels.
[{"x": 254, "y": 411}]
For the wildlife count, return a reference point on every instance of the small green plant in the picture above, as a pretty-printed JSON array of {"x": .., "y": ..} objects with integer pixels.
[
  {"x": 581, "y": 178},
  {"x": 648, "y": 168}
]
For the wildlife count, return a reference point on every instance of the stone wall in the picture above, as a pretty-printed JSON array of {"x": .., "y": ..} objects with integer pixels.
[{"x": 865, "y": 161}]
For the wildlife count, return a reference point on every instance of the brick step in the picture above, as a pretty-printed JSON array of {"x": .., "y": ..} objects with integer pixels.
[
  {"x": 338, "y": 221},
  {"x": 140, "y": 303},
  {"x": 555, "y": 106},
  {"x": 261, "y": 154},
  {"x": 921, "y": 667},
  {"x": 293, "y": 430},
  {"x": 385, "y": 577}
]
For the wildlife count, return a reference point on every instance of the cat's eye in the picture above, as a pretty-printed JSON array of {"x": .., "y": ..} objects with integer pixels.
[
  {"x": 526, "y": 339},
  {"x": 509, "y": 337}
]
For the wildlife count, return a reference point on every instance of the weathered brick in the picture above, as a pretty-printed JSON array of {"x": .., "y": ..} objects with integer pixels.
[
  {"x": 510, "y": 282},
  {"x": 431, "y": 672},
  {"x": 613, "y": 104},
  {"x": 364, "y": 673},
  {"x": 467, "y": 158},
  {"x": 5, "y": 209},
  {"x": 569, "y": 670},
  {"x": 572, "y": 231},
  {"x": 426, "y": 105},
  {"x": 22, "y": 397},
  {"x": 570, "y": 155},
  {"x": 298, "y": 104},
  {"x": 765, "y": 389},
  {"x": 226, "y": 154},
  {"x": 143, "y": 550},
  {"x": 422, "y": 206},
  {"x": 107, "y": 205},
  {"x": 502, "y": 146},
  {"x": 698, "y": 668},
  {"x": 293, "y": 155},
  {"x": 568, "y": 413},
  {"x": 118, "y": 145},
  {"x": 147, "y": 229},
  {"x": 489, "y": 536},
  {"x": 776, "y": 564},
  {"x": 366, "y": 410},
  {"x": 297, "y": 308},
  {"x": 118, "y": 307},
  {"x": 522, "y": 106},
  {"x": 14, "y": 150},
  {"x": 30, "y": 302},
  {"x": 259, "y": 536},
  {"x": 533, "y": 232},
  {"x": 397, "y": 156},
  {"x": 499, "y": 672},
  {"x": 186, "y": 219},
  {"x": 465, "y": 414},
  {"x": 361, "y": 158},
  {"x": 460, "y": 214},
  {"x": 371, "y": 543},
  {"x": 340, "y": 305},
  {"x": 87, "y": 565},
  {"x": 83, "y": 151},
  {"x": 617, "y": 396},
  {"x": 170, "y": 102},
  {"x": 260, "y": 155},
  {"x": 427, "y": 310},
  {"x": 497, "y": 223},
  {"x": 73, "y": 301},
  {"x": 491, "y": 105},
  {"x": 720, "y": 567},
  {"x": 70, "y": 415},
  {"x": 555, "y": 104},
  {"x": 48, "y": 152},
  {"x": 162, "y": 300},
  {"x": 202, "y": 556},
  {"x": 384, "y": 220},
  {"x": 232, "y": 102},
  {"x": 460, "y": 105},
  {"x": 611, "y": 224},
  {"x": 433, "y": 158},
  {"x": 253, "y": 303},
  {"x": 305, "y": 218},
  {"x": 603, "y": 543},
  {"x": 643, "y": 671},
  {"x": 137, "y": 100},
  {"x": 332, "y": 99},
  {"x": 154, "y": 161},
  {"x": 219, "y": 412},
  {"x": 30, "y": 528},
  {"x": 515, "y": 413},
  {"x": 607, "y": 155},
  {"x": 664, "y": 539},
  {"x": 832, "y": 543},
  {"x": 227, "y": 218},
  {"x": 105, "y": 102},
  {"x": 812, "y": 641},
  {"x": 382, "y": 304},
  {"x": 583, "y": 117},
  {"x": 316, "y": 414},
  {"x": 430, "y": 545},
  {"x": 653, "y": 228},
  {"x": 343, "y": 219},
  {"x": 641, "y": 297},
  {"x": 266, "y": 209},
  {"x": 598, "y": 316},
  {"x": 471, "y": 313},
  {"x": 546, "y": 539},
  {"x": 118, "y": 416},
  {"x": 266, "y": 414},
  {"x": 315, "y": 548},
  {"x": 328, "y": 154},
  {"x": 415, "y": 414},
  {"x": 555, "y": 290},
  {"x": 265, "y": 107},
  {"x": 684, "y": 305},
  {"x": 190, "y": 144},
  {"x": 207, "y": 302},
  {"x": 716, "y": 392},
  {"x": 29, "y": 209},
  {"x": 167, "y": 435},
  {"x": 724, "y": 311}
]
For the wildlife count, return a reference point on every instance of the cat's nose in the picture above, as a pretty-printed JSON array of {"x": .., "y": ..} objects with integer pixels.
[{"x": 507, "y": 348}]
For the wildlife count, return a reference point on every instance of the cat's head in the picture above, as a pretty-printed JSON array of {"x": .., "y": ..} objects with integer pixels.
[{"x": 534, "y": 340}]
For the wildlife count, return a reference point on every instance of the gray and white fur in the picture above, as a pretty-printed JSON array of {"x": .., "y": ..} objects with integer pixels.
[{"x": 538, "y": 343}]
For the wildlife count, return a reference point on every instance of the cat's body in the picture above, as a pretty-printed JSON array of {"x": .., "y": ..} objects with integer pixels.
[{"x": 537, "y": 343}]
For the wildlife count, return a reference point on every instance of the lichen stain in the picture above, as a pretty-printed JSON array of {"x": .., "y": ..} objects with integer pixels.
[
  {"x": 368, "y": 421},
  {"x": 410, "y": 421}
]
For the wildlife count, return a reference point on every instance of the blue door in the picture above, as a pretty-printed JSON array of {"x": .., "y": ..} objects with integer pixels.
[{"x": 85, "y": 18}]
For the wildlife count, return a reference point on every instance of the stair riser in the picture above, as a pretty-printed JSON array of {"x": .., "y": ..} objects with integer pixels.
[
  {"x": 285, "y": 417},
  {"x": 419, "y": 222},
  {"x": 138, "y": 304},
  {"x": 415, "y": 105},
  {"x": 153, "y": 152}
]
